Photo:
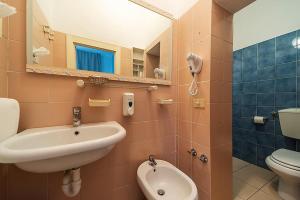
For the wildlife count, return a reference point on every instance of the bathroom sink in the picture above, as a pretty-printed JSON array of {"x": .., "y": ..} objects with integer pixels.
[{"x": 53, "y": 149}]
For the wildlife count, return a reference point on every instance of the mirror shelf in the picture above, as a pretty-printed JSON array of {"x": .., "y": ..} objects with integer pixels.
[{"x": 35, "y": 68}]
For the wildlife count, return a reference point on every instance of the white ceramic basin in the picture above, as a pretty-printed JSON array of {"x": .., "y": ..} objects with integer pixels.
[
  {"x": 168, "y": 179},
  {"x": 53, "y": 149}
]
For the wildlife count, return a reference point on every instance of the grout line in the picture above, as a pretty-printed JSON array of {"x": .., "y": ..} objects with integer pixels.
[
  {"x": 257, "y": 189},
  {"x": 240, "y": 168},
  {"x": 260, "y": 189}
]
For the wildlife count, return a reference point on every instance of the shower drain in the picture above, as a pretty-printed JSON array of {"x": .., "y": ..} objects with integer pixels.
[{"x": 161, "y": 192}]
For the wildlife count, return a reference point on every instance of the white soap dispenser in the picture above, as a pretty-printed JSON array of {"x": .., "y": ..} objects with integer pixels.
[{"x": 128, "y": 104}]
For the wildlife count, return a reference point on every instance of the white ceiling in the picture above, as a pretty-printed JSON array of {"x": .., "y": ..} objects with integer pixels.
[{"x": 175, "y": 7}]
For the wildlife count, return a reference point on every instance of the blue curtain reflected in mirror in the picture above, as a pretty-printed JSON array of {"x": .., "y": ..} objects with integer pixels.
[{"x": 92, "y": 59}]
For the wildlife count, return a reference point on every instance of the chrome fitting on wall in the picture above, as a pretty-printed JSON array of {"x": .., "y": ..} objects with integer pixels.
[
  {"x": 203, "y": 158},
  {"x": 274, "y": 115},
  {"x": 193, "y": 152}
]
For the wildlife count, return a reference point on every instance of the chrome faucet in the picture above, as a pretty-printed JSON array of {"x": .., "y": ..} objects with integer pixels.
[
  {"x": 152, "y": 161},
  {"x": 76, "y": 116}
]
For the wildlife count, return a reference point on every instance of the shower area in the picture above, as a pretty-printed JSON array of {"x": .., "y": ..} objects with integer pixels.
[{"x": 266, "y": 79}]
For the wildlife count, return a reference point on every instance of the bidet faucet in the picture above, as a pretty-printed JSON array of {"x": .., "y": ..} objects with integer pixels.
[
  {"x": 152, "y": 161},
  {"x": 76, "y": 116}
]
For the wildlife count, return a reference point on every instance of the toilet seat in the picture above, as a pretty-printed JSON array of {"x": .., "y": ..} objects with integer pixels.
[{"x": 287, "y": 158}]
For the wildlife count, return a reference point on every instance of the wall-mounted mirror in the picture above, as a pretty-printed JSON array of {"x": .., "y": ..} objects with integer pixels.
[{"x": 118, "y": 39}]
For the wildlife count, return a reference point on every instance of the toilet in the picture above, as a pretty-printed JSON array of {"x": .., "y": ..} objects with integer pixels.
[
  {"x": 286, "y": 163},
  {"x": 165, "y": 182}
]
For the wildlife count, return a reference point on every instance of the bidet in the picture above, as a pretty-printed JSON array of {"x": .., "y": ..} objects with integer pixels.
[{"x": 166, "y": 182}]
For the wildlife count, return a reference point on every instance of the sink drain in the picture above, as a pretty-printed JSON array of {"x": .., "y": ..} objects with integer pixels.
[{"x": 161, "y": 192}]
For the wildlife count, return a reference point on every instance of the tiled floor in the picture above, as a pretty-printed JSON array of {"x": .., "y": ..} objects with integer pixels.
[{"x": 253, "y": 183}]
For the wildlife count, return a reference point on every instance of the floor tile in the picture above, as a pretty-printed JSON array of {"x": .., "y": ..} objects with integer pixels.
[
  {"x": 271, "y": 189},
  {"x": 262, "y": 196},
  {"x": 241, "y": 189},
  {"x": 255, "y": 176},
  {"x": 237, "y": 198},
  {"x": 238, "y": 164}
]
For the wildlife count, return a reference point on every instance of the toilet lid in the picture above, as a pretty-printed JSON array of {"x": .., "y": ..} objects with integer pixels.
[{"x": 288, "y": 157}]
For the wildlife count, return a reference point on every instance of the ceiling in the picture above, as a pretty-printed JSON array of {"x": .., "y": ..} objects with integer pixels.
[
  {"x": 175, "y": 7},
  {"x": 234, "y": 6}
]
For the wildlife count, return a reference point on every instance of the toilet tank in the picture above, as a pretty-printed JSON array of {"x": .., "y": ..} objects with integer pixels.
[
  {"x": 9, "y": 118},
  {"x": 290, "y": 122}
]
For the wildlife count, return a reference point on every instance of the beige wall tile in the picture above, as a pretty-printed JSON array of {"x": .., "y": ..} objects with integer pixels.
[
  {"x": 18, "y": 4},
  {"x": 184, "y": 159},
  {"x": 201, "y": 115},
  {"x": 222, "y": 23},
  {"x": 185, "y": 130},
  {"x": 5, "y": 27},
  {"x": 3, "y": 181},
  {"x": 17, "y": 56},
  {"x": 221, "y": 172},
  {"x": 3, "y": 54},
  {"x": 3, "y": 84},
  {"x": 17, "y": 27},
  {"x": 23, "y": 185},
  {"x": 26, "y": 87},
  {"x": 201, "y": 134},
  {"x": 59, "y": 50},
  {"x": 201, "y": 172}
]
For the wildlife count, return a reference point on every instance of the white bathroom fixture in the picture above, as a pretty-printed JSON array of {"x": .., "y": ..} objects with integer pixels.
[
  {"x": 152, "y": 88},
  {"x": 53, "y": 149},
  {"x": 71, "y": 182},
  {"x": 80, "y": 83},
  {"x": 9, "y": 118},
  {"x": 286, "y": 163},
  {"x": 160, "y": 73},
  {"x": 128, "y": 104},
  {"x": 165, "y": 182},
  {"x": 195, "y": 64},
  {"x": 6, "y": 10},
  {"x": 38, "y": 52}
]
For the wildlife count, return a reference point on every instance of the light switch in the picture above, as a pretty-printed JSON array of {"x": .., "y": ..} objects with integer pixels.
[{"x": 198, "y": 102}]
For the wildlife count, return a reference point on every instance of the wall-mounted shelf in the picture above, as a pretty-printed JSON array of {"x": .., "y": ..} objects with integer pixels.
[
  {"x": 165, "y": 101},
  {"x": 99, "y": 103},
  {"x": 138, "y": 62}
]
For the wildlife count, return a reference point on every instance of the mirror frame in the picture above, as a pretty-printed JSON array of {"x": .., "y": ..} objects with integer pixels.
[{"x": 35, "y": 68}]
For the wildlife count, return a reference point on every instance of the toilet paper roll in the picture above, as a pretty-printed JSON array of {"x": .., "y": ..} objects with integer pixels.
[{"x": 259, "y": 120}]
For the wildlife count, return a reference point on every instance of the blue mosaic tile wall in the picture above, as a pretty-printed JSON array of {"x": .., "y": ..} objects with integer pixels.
[{"x": 266, "y": 78}]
